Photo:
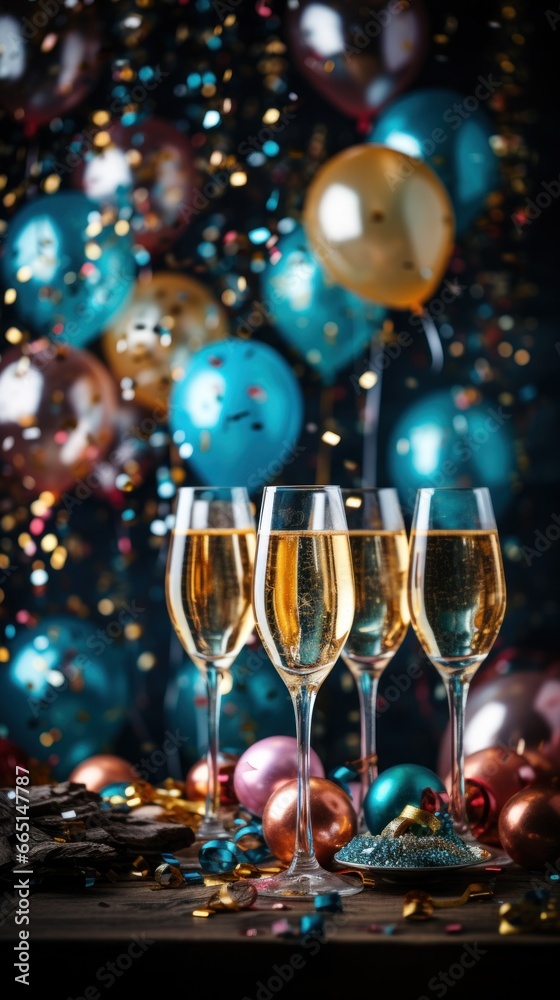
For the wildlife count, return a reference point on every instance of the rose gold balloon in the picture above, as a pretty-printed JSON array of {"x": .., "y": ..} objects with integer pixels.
[
  {"x": 57, "y": 406},
  {"x": 266, "y": 765},
  {"x": 196, "y": 782},
  {"x": 529, "y": 827},
  {"x": 333, "y": 819},
  {"x": 102, "y": 769},
  {"x": 169, "y": 317},
  {"x": 381, "y": 225}
]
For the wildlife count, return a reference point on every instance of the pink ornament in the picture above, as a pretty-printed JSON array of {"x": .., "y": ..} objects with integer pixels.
[{"x": 266, "y": 765}]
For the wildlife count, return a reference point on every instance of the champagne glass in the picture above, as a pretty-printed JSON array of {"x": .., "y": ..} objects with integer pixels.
[
  {"x": 208, "y": 585},
  {"x": 457, "y": 599},
  {"x": 379, "y": 547},
  {"x": 303, "y": 599}
]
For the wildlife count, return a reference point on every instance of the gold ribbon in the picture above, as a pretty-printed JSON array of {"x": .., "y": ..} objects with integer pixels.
[
  {"x": 419, "y": 905},
  {"x": 410, "y": 816}
]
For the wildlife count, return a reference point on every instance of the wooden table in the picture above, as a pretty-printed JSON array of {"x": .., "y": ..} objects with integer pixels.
[{"x": 127, "y": 937}]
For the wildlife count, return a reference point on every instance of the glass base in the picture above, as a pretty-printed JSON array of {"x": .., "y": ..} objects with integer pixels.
[
  {"x": 213, "y": 829},
  {"x": 307, "y": 885}
]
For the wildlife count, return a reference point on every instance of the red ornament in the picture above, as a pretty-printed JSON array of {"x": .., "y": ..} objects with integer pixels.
[
  {"x": 196, "y": 782},
  {"x": 492, "y": 776},
  {"x": 11, "y": 757},
  {"x": 102, "y": 769},
  {"x": 529, "y": 828},
  {"x": 333, "y": 819}
]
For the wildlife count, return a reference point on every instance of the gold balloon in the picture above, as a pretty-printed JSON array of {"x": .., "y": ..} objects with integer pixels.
[
  {"x": 381, "y": 224},
  {"x": 168, "y": 318}
]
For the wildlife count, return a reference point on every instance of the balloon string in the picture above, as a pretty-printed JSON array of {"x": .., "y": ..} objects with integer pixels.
[
  {"x": 323, "y": 470},
  {"x": 434, "y": 341},
  {"x": 372, "y": 410}
]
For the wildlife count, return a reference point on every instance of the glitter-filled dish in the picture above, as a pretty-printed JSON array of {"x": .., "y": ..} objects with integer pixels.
[{"x": 411, "y": 855}]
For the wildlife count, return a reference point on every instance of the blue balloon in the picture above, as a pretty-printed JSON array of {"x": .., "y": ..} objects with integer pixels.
[
  {"x": 453, "y": 141},
  {"x": 255, "y": 704},
  {"x": 326, "y": 324},
  {"x": 444, "y": 440},
  {"x": 237, "y": 413},
  {"x": 72, "y": 272},
  {"x": 64, "y": 692}
]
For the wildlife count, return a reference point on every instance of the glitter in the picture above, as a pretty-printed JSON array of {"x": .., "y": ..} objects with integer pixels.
[{"x": 410, "y": 851}]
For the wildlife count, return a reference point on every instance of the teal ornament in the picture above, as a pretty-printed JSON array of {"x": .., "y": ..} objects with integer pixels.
[
  {"x": 395, "y": 788},
  {"x": 327, "y": 325}
]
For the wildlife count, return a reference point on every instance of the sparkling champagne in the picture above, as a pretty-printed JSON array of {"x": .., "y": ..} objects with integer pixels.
[
  {"x": 457, "y": 595},
  {"x": 381, "y": 618},
  {"x": 209, "y": 585},
  {"x": 305, "y": 604}
]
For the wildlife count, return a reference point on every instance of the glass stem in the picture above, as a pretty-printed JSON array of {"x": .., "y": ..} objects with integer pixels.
[
  {"x": 457, "y": 687},
  {"x": 304, "y": 859},
  {"x": 368, "y": 683},
  {"x": 213, "y": 687}
]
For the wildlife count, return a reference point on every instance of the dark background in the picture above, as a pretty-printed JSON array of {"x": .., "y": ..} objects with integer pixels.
[{"x": 519, "y": 275}]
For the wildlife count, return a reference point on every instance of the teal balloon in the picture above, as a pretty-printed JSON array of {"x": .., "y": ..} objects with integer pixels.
[
  {"x": 257, "y": 706},
  {"x": 444, "y": 441},
  {"x": 71, "y": 272},
  {"x": 434, "y": 125},
  {"x": 395, "y": 788},
  {"x": 236, "y": 415},
  {"x": 327, "y": 325},
  {"x": 59, "y": 684}
]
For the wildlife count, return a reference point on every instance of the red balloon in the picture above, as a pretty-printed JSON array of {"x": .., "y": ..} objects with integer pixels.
[
  {"x": 11, "y": 756},
  {"x": 50, "y": 59},
  {"x": 358, "y": 56},
  {"x": 57, "y": 410},
  {"x": 147, "y": 166}
]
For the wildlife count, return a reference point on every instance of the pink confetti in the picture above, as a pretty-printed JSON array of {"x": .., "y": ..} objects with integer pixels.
[
  {"x": 251, "y": 932},
  {"x": 280, "y": 927},
  {"x": 375, "y": 928},
  {"x": 453, "y": 928}
]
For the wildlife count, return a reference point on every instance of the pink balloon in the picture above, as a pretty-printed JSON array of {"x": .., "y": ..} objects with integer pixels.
[{"x": 266, "y": 765}]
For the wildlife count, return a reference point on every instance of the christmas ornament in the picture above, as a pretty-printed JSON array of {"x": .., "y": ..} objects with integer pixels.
[
  {"x": 102, "y": 769},
  {"x": 196, "y": 781},
  {"x": 57, "y": 406},
  {"x": 333, "y": 819},
  {"x": 529, "y": 827},
  {"x": 266, "y": 765},
  {"x": 71, "y": 267},
  {"x": 395, "y": 788},
  {"x": 521, "y": 707},
  {"x": 492, "y": 777},
  {"x": 168, "y": 318},
  {"x": 381, "y": 224}
]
